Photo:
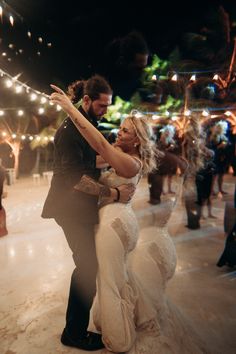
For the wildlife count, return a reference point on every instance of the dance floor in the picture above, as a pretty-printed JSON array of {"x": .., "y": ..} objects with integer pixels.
[{"x": 36, "y": 265}]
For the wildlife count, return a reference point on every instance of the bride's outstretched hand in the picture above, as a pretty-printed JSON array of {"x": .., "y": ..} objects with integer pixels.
[{"x": 59, "y": 97}]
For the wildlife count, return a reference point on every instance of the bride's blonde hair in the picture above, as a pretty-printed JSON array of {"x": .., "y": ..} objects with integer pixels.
[{"x": 148, "y": 153}]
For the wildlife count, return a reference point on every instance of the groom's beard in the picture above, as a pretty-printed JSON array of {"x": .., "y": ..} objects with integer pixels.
[{"x": 92, "y": 114}]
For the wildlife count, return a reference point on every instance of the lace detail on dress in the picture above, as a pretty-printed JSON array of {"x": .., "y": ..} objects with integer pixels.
[
  {"x": 124, "y": 234},
  {"x": 165, "y": 257}
]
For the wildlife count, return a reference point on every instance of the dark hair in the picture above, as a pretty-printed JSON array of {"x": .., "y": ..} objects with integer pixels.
[
  {"x": 133, "y": 43},
  {"x": 124, "y": 49},
  {"x": 92, "y": 87}
]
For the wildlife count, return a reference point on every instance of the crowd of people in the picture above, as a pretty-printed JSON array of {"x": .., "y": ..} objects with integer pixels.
[{"x": 218, "y": 158}]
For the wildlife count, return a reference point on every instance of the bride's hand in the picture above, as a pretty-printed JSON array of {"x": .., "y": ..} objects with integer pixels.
[
  {"x": 126, "y": 192},
  {"x": 59, "y": 97}
]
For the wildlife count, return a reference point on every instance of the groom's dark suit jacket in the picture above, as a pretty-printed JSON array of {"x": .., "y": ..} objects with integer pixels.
[{"x": 73, "y": 157}]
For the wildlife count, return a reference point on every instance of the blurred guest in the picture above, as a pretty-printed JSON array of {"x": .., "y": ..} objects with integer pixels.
[
  {"x": 204, "y": 179},
  {"x": 193, "y": 151},
  {"x": 3, "y": 228},
  {"x": 219, "y": 143},
  {"x": 228, "y": 256},
  {"x": 167, "y": 166},
  {"x": 124, "y": 62},
  {"x": 168, "y": 143}
]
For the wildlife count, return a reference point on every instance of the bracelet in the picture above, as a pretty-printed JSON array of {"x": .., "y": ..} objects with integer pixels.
[{"x": 118, "y": 195}]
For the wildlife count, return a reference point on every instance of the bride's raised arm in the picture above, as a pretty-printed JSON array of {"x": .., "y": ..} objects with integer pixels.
[{"x": 124, "y": 164}]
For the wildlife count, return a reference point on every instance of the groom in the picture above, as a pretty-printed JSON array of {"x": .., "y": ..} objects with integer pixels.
[{"x": 77, "y": 212}]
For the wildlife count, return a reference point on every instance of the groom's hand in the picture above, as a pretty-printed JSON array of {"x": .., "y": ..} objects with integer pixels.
[{"x": 126, "y": 192}]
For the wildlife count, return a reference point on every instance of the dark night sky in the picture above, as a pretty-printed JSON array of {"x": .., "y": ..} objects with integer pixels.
[{"x": 79, "y": 31}]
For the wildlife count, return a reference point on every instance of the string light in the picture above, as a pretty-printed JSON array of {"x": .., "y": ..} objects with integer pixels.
[
  {"x": 193, "y": 78},
  {"x": 33, "y": 96},
  {"x": 26, "y": 137},
  {"x": 174, "y": 77},
  {"x": 13, "y": 16},
  {"x": 20, "y": 112},
  {"x": 41, "y": 110},
  {"x": 19, "y": 87},
  {"x": 11, "y": 19}
]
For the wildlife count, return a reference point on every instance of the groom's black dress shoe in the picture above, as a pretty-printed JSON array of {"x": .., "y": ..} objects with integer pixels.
[{"x": 93, "y": 341}]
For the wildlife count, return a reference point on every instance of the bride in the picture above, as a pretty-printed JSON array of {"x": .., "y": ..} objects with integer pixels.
[{"x": 131, "y": 309}]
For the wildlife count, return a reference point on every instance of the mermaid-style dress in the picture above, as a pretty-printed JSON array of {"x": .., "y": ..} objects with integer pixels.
[{"x": 131, "y": 309}]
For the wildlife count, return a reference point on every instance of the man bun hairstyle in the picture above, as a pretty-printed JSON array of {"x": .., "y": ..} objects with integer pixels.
[{"x": 92, "y": 87}]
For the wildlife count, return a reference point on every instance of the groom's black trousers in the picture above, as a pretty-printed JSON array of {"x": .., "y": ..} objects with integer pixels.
[{"x": 80, "y": 237}]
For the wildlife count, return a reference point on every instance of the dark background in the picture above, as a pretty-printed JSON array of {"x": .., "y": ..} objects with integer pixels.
[{"x": 80, "y": 30}]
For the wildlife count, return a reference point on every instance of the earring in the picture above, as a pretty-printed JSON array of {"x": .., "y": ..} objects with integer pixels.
[{"x": 135, "y": 145}]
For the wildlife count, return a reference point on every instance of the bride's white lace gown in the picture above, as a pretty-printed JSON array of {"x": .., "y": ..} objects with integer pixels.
[{"x": 131, "y": 309}]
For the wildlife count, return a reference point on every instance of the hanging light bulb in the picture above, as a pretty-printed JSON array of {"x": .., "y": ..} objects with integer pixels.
[
  {"x": 41, "y": 110},
  {"x": 18, "y": 89},
  {"x": 9, "y": 83},
  {"x": 193, "y": 78},
  {"x": 43, "y": 100},
  {"x": 33, "y": 96},
  {"x": 20, "y": 112},
  {"x": 1, "y": 12},
  {"x": 11, "y": 19},
  {"x": 187, "y": 112},
  {"x": 205, "y": 113},
  {"x": 174, "y": 77},
  {"x": 16, "y": 77}
]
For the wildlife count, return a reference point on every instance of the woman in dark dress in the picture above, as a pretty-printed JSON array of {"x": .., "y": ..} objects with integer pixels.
[
  {"x": 220, "y": 144},
  {"x": 228, "y": 256},
  {"x": 204, "y": 181}
]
